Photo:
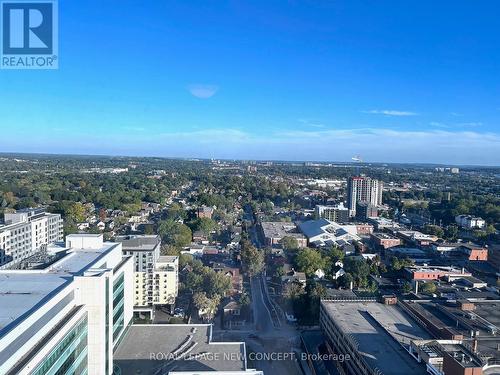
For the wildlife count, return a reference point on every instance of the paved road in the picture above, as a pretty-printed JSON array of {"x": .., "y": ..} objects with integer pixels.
[
  {"x": 266, "y": 339},
  {"x": 262, "y": 317},
  {"x": 267, "y": 336}
]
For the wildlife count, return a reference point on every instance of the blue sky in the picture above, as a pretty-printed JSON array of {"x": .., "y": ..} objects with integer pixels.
[{"x": 392, "y": 81}]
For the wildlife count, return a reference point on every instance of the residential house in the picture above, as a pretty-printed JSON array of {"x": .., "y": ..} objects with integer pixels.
[{"x": 232, "y": 316}]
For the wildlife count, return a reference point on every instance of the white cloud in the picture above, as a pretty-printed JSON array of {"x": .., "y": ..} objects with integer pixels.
[
  {"x": 390, "y": 112},
  {"x": 456, "y": 125},
  {"x": 438, "y": 124},
  {"x": 311, "y": 123},
  {"x": 203, "y": 91},
  {"x": 470, "y": 124}
]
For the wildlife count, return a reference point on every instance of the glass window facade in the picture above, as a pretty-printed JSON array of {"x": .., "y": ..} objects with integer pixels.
[
  {"x": 69, "y": 355},
  {"x": 118, "y": 307},
  {"x": 107, "y": 326}
]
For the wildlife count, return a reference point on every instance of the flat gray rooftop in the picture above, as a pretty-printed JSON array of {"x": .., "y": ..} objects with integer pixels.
[
  {"x": 280, "y": 229},
  {"x": 167, "y": 258},
  {"x": 380, "y": 332},
  {"x": 162, "y": 348},
  {"x": 20, "y": 293},
  {"x": 22, "y": 290},
  {"x": 139, "y": 242},
  {"x": 487, "y": 316}
]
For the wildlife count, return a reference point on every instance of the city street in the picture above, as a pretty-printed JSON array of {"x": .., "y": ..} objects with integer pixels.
[
  {"x": 265, "y": 339},
  {"x": 270, "y": 336}
]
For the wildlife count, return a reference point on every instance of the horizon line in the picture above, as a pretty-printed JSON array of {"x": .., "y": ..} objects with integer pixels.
[{"x": 190, "y": 158}]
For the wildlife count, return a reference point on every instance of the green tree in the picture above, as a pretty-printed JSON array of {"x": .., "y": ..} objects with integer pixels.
[
  {"x": 76, "y": 212},
  {"x": 252, "y": 259},
  {"x": 451, "y": 232},
  {"x": 490, "y": 229},
  {"x": 345, "y": 281},
  {"x": 406, "y": 287},
  {"x": 396, "y": 264},
  {"x": 434, "y": 230},
  {"x": 428, "y": 288},
  {"x": 336, "y": 254},
  {"x": 174, "y": 233},
  {"x": 289, "y": 243},
  {"x": 170, "y": 250},
  {"x": 293, "y": 291},
  {"x": 194, "y": 282},
  {"x": 185, "y": 259},
  {"x": 245, "y": 299},
  {"x": 10, "y": 198},
  {"x": 205, "y": 224},
  {"x": 280, "y": 271},
  {"x": 318, "y": 291},
  {"x": 132, "y": 208},
  {"x": 309, "y": 261},
  {"x": 175, "y": 211},
  {"x": 358, "y": 268},
  {"x": 205, "y": 304},
  {"x": 216, "y": 283}
]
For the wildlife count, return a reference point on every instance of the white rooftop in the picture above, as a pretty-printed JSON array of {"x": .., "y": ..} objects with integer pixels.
[
  {"x": 325, "y": 231},
  {"x": 22, "y": 290}
]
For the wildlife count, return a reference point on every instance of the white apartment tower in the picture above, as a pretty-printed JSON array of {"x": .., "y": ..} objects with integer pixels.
[
  {"x": 67, "y": 317},
  {"x": 363, "y": 189},
  {"x": 156, "y": 277},
  {"x": 26, "y": 232}
]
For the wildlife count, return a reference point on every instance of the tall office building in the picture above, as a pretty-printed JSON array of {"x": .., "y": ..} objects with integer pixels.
[
  {"x": 363, "y": 189},
  {"x": 66, "y": 317},
  {"x": 26, "y": 232},
  {"x": 156, "y": 277}
]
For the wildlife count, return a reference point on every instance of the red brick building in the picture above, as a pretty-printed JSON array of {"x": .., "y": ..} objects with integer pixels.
[
  {"x": 364, "y": 229},
  {"x": 435, "y": 273},
  {"x": 385, "y": 240},
  {"x": 475, "y": 252},
  {"x": 205, "y": 212}
]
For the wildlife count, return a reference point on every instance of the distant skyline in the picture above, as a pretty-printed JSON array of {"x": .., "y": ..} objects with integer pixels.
[
  {"x": 351, "y": 162},
  {"x": 391, "y": 81}
]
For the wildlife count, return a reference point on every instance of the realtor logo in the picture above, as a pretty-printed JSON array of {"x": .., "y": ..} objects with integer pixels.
[{"x": 29, "y": 34}]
